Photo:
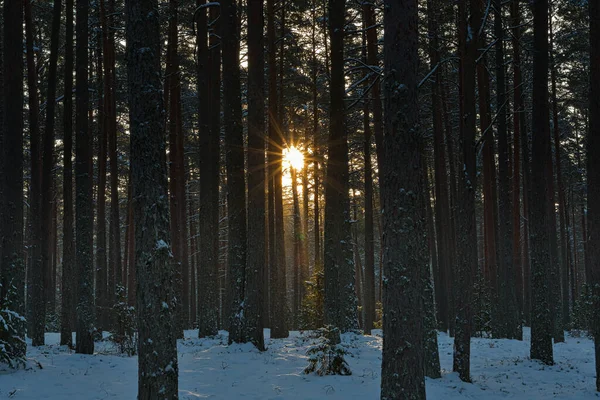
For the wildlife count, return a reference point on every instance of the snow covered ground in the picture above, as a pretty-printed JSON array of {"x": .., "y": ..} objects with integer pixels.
[{"x": 209, "y": 369}]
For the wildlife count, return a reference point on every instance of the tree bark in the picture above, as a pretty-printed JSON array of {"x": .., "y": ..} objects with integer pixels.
[
  {"x": 83, "y": 187},
  {"x": 467, "y": 183},
  {"x": 277, "y": 260},
  {"x": 539, "y": 218},
  {"x": 48, "y": 203},
  {"x": 340, "y": 297},
  {"x": 510, "y": 318},
  {"x": 158, "y": 369},
  {"x": 593, "y": 175},
  {"x": 39, "y": 275},
  {"x": 13, "y": 266},
  {"x": 369, "y": 284},
  {"x": 68, "y": 264},
  {"x": 236, "y": 190},
  {"x": 518, "y": 132},
  {"x": 403, "y": 205},
  {"x": 114, "y": 242},
  {"x": 442, "y": 206},
  {"x": 256, "y": 178}
]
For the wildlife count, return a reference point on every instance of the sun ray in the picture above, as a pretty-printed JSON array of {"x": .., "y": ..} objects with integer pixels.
[{"x": 293, "y": 157}]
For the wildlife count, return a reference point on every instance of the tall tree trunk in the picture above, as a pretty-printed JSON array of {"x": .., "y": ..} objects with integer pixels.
[
  {"x": 539, "y": 218},
  {"x": 68, "y": 264},
  {"x": 176, "y": 168},
  {"x": 48, "y": 203},
  {"x": 555, "y": 284},
  {"x": 518, "y": 131},
  {"x": 114, "y": 250},
  {"x": 520, "y": 115},
  {"x": 39, "y": 275},
  {"x": 340, "y": 298},
  {"x": 155, "y": 266},
  {"x": 564, "y": 259},
  {"x": 489, "y": 181},
  {"x": 104, "y": 278},
  {"x": 369, "y": 284},
  {"x": 442, "y": 210},
  {"x": 467, "y": 183},
  {"x": 430, "y": 335},
  {"x": 130, "y": 246},
  {"x": 13, "y": 266},
  {"x": 373, "y": 62},
  {"x": 297, "y": 238},
  {"x": 510, "y": 323},
  {"x": 256, "y": 178},
  {"x": 236, "y": 190},
  {"x": 315, "y": 138},
  {"x": 83, "y": 187},
  {"x": 277, "y": 260},
  {"x": 593, "y": 175},
  {"x": 403, "y": 204}
]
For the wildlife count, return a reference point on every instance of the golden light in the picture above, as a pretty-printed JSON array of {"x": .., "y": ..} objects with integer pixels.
[{"x": 293, "y": 157}]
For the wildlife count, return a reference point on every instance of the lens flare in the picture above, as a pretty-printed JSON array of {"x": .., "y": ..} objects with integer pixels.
[{"x": 293, "y": 157}]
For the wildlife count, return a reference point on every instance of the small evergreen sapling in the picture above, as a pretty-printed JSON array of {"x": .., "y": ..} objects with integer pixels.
[
  {"x": 12, "y": 345},
  {"x": 327, "y": 357},
  {"x": 124, "y": 334}
]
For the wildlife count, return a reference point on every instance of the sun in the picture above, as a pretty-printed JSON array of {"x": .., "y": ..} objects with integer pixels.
[{"x": 293, "y": 157}]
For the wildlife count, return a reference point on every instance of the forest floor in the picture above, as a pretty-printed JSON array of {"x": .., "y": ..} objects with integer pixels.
[{"x": 501, "y": 369}]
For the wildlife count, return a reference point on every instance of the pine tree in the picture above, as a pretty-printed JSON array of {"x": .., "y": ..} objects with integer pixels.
[
  {"x": 256, "y": 261},
  {"x": 38, "y": 274},
  {"x": 236, "y": 186},
  {"x": 340, "y": 297},
  {"x": 83, "y": 187},
  {"x": 541, "y": 325},
  {"x": 593, "y": 176},
  {"x": 68, "y": 275},
  {"x": 467, "y": 181},
  {"x": 157, "y": 321},
  {"x": 12, "y": 278},
  {"x": 403, "y": 207}
]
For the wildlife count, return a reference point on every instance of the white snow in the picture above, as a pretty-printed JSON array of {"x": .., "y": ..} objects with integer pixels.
[{"x": 209, "y": 368}]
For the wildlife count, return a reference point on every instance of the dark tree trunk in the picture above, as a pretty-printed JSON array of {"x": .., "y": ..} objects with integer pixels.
[
  {"x": 340, "y": 298},
  {"x": 467, "y": 183},
  {"x": 277, "y": 260},
  {"x": 369, "y": 284},
  {"x": 520, "y": 114},
  {"x": 68, "y": 264},
  {"x": 256, "y": 260},
  {"x": 518, "y": 131},
  {"x": 39, "y": 276},
  {"x": 297, "y": 242},
  {"x": 403, "y": 204},
  {"x": 539, "y": 218},
  {"x": 593, "y": 175},
  {"x": 104, "y": 279},
  {"x": 83, "y": 187},
  {"x": 430, "y": 334},
  {"x": 13, "y": 266},
  {"x": 442, "y": 206},
  {"x": 157, "y": 321},
  {"x": 176, "y": 167},
  {"x": 48, "y": 203},
  {"x": 564, "y": 258},
  {"x": 373, "y": 62},
  {"x": 315, "y": 139},
  {"x": 236, "y": 190},
  {"x": 110, "y": 124},
  {"x": 555, "y": 284},
  {"x": 209, "y": 74},
  {"x": 509, "y": 325}
]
